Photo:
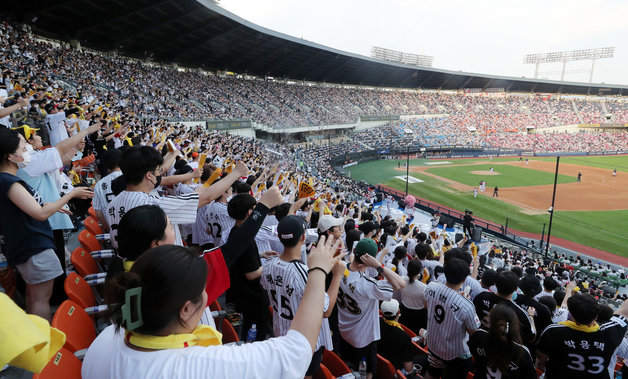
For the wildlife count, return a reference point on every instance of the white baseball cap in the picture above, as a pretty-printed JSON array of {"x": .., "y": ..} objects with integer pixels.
[
  {"x": 327, "y": 222},
  {"x": 390, "y": 308}
]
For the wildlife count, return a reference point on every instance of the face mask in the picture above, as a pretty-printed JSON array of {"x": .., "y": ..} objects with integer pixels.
[
  {"x": 26, "y": 159},
  {"x": 158, "y": 181}
]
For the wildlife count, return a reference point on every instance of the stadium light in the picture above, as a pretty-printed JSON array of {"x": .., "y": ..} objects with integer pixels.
[
  {"x": 401, "y": 57},
  {"x": 569, "y": 56}
]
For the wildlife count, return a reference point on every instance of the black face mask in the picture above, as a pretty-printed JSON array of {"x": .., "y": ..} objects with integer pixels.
[{"x": 157, "y": 181}]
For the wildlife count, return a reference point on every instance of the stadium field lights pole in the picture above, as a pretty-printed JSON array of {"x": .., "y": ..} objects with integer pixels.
[
  {"x": 407, "y": 168},
  {"x": 551, "y": 210}
]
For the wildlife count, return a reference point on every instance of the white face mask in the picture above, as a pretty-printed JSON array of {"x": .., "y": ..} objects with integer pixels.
[{"x": 26, "y": 159}]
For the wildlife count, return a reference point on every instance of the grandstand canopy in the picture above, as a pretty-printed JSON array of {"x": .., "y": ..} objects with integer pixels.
[{"x": 199, "y": 33}]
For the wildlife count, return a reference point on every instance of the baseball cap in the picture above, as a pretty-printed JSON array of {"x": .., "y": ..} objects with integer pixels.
[
  {"x": 290, "y": 228},
  {"x": 327, "y": 222},
  {"x": 390, "y": 308},
  {"x": 365, "y": 246}
]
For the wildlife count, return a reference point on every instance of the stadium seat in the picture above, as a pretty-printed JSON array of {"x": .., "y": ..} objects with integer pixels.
[
  {"x": 89, "y": 241},
  {"x": 407, "y": 330},
  {"x": 336, "y": 365},
  {"x": 229, "y": 334},
  {"x": 7, "y": 281},
  {"x": 63, "y": 365},
  {"x": 323, "y": 373},
  {"x": 385, "y": 369},
  {"x": 92, "y": 226},
  {"x": 79, "y": 291},
  {"x": 470, "y": 375},
  {"x": 214, "y": 306},
  {"x": 83, "y": 262},
  {"x": 92, "y": 213},
  {"x": 400, "y": 375},
  {"x": 78, "y": 327}
]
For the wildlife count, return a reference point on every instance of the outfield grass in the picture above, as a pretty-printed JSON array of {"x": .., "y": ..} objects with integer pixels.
[
  {"x": 605, "y": 230},
  {"x": 508, "y": 176}
]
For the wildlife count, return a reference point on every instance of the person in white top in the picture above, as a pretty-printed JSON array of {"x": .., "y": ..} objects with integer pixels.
[
  {"x": 412, "y": 299},
  {"x": 358, "y": 304},
  {"x": 451, "y": 317},
  {"x": 103, "y": 192},
  {"x": 285, "y": 278},
  {"x": 142, "y": 170},
  {"x": 55, "y": 124},
  {"x": 156, "y": 331}
]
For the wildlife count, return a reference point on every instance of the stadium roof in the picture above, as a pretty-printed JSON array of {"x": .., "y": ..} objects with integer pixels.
[{"x": 199, "y": 33}]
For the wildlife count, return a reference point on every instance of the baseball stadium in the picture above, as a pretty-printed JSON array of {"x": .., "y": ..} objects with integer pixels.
[{"x": 174, "y": 178}]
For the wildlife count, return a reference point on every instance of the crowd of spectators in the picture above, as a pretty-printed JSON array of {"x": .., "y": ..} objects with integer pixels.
[{"x": 292, "y": 234}]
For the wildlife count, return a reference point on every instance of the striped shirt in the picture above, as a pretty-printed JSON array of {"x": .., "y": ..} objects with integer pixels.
[
  {"x": 180, "y": 210},
  {"x": 103, "y": 194},
  {"x": 285, "y": 284},
  {"x": 358, "y": 307},
  {"x": 218, "y": 224},
  {"x": 449, "y": 316}
]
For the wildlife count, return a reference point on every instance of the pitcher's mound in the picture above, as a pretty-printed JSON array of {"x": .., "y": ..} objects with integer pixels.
[{"x": 484, "y": 173}]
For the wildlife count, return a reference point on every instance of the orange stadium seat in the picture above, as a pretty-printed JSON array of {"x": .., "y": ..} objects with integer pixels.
[
  {"x": 79, "y": 291},
  {"x": 63, "y": 365},
  {"x": 323, "y": 373},
  {"x": 407, "y": 330},
  {"x": 385, "y": 369},
  {"x": 228, "y": 332},
  {"x": 336, "y": 365},
  {"x": 89, "y": 241},
  {"x": 83, "y": 262},
  {"x": 214, "y": 306},
  {"x": 78, "y": 327},
  {"x": 92, "y": 225},
  {"x": 92, "y": 212}
]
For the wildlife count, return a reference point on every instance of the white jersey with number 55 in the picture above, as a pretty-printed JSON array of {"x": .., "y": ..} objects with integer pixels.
[
  {"x": 358, "y": 307},
  {"x": 285, "y": 284}
]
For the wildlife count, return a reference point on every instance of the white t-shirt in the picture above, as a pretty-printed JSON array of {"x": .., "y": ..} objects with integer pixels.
[
  {"x": 219, "y": 222},
  {"x": 358, "y": 307},
  {"x": 56, "y": 127},
  {"x": 412, "y": 295},
  {"x": 285, "y": 357}
]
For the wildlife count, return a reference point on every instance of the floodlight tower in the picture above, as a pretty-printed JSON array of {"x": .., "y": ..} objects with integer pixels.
[{"x": 569, "y": 56}]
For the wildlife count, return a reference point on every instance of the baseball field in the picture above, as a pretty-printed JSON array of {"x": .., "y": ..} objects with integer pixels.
[{"x": 592, "y": 212}]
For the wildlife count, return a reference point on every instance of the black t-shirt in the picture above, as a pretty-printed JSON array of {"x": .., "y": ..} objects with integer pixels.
[
  {"x": 394, "y": 345},
  {"x": 578, "y": 354},
  {"x": 521, "y": 368},
  {"x": 467, "y": 220},
  {"x": 542, "y": 316},
  {"x": 248, "y": 261},
  {"x": 485, "y": 301}
]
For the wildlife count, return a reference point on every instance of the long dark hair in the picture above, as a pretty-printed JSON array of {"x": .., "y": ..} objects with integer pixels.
[
  {"x": 414, "y": 268},
  {"x": 169, "y": 276},
  {"x": 399, "y": 253},
  {"x": 502, "y": 333},
  {"x": 139, "y": 228}
]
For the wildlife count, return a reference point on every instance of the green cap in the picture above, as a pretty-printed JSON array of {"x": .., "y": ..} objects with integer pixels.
[{"x": 366, "y": 246}]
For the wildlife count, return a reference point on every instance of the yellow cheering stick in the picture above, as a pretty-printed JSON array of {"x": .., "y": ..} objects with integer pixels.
[
  {"x": 213, "y": 177},
  {"x": 201, "y": 163}
]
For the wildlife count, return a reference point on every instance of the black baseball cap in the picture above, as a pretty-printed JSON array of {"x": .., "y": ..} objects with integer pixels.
[{"x": 290, "y": 228}]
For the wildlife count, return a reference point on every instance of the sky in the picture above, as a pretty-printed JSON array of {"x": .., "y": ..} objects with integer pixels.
[{"x": 482, "y": 36}]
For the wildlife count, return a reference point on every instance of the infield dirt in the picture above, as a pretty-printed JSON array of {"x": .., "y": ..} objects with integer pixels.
[{"x": 598, "y": 190}]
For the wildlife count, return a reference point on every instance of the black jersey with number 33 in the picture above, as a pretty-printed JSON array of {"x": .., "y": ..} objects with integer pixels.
[{"x": 580, "y": 354}]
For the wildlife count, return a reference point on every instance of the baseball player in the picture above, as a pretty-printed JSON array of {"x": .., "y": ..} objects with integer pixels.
[
  {"x": 451, "y": 318},
  {"x": 581, "y": 348},
  {"x": 284, "y": 279},
  {"x": 358, "y": 304}
]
